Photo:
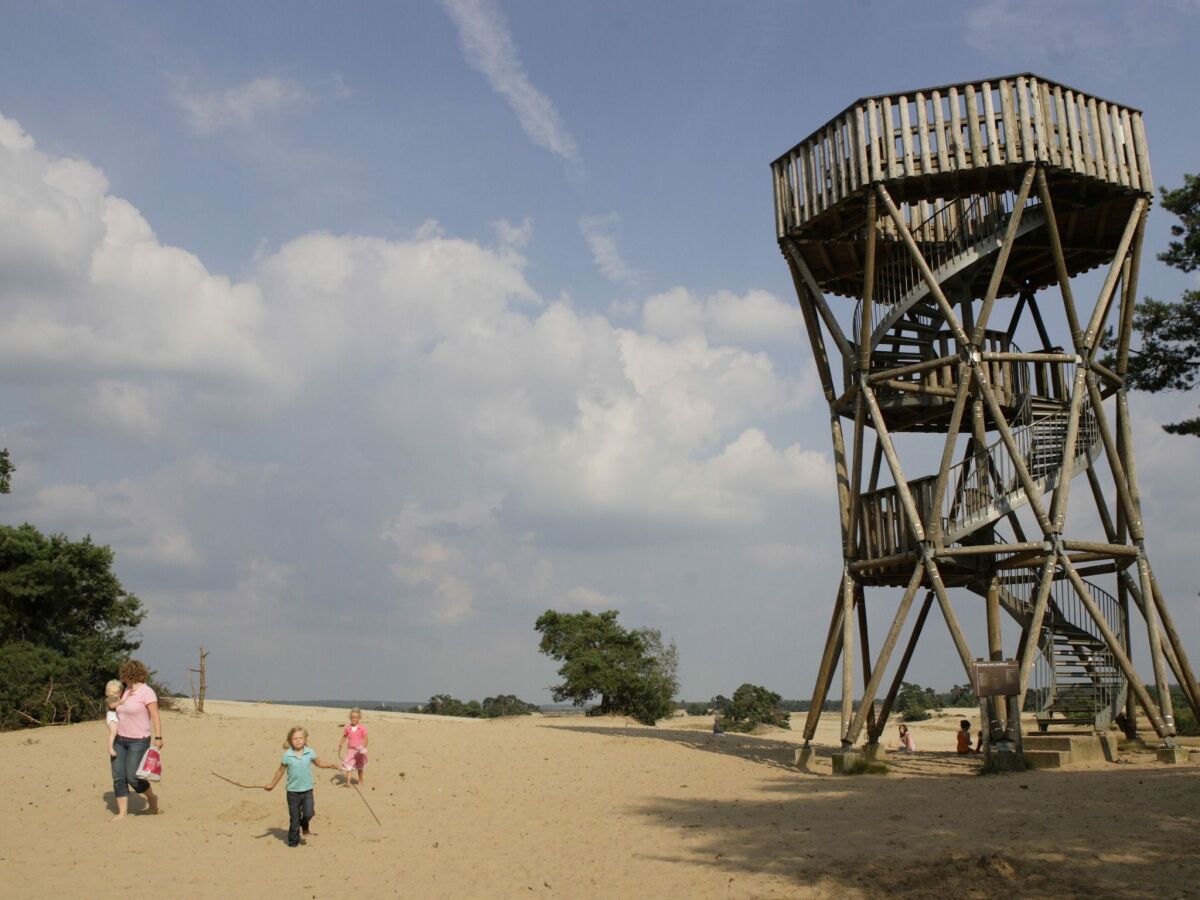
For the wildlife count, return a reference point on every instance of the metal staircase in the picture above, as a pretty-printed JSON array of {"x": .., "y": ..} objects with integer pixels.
[{"x": 1076, "y": 681}]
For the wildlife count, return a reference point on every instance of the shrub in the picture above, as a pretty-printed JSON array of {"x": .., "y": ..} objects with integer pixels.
[{"x": 752, "y": 706}]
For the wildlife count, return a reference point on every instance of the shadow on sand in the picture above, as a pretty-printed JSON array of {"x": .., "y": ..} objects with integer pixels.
[{"x": 1109, "y": 832}]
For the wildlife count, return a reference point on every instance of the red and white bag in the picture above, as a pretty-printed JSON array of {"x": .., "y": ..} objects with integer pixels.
[{"x": 150, "y": 767}]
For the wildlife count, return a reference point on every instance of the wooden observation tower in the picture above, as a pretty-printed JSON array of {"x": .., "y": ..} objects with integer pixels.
[{"x": 955, "y": 219}]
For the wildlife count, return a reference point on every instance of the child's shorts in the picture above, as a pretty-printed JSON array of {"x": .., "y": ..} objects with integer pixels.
[
  {"x": 111, "y": 717},
  {"x": 355, "y": 758}
]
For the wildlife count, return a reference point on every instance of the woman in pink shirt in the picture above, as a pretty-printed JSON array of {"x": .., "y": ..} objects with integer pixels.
[{"x": 137, "y": 724}]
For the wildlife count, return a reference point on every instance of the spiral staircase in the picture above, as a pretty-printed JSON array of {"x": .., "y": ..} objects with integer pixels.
[{"x": 1076, "y": 681}]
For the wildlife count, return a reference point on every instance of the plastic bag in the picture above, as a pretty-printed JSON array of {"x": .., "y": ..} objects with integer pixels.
[{"x": 150, "y": 767}]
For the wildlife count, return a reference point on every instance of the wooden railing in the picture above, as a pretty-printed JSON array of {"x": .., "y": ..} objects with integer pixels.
[{"x": 957, "y": 128}]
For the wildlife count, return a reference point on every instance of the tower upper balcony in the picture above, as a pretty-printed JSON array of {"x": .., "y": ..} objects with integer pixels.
[{"x": 935, "y": 147}]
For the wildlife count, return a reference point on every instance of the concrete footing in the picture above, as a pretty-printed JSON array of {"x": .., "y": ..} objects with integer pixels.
[
  {"x": 875, "y": 753},
  {"x": 1173, "y": 755},
  {"x": 1006, "y": 762},
  {"x": 844, "y": 763},
  {"x": 1110, "y": 744},
  {"x": 803, "y": 756}
]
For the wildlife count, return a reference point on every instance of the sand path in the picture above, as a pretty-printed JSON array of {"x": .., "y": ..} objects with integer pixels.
[{"x": 574, "y": 807}]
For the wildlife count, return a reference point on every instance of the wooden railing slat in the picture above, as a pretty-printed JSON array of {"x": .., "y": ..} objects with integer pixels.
[
  {"x": 906, "y": 137},
  {"x": 1097, "y": 139},
  {"x": 939, "y": 123},
  {"x": 1028, "y": 150},
  {"x": 889, "y": 137},
  {"x": 991, "y": 136},
  {"x": 1139, "y": 140},
  {"x": 1039, "y": 122},
  {"x": 923, "y": 134},
  {"x": 1012, "y": 143}
]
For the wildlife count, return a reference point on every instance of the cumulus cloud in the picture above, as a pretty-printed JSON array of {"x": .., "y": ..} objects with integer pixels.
[
  {"x": 597, "y": 232},
  {"x": 756, "y": 317},
  {"x": 489, "y": 48},
  {"x": 406, "y": 428},
  {"x": 239, "y": 107}
]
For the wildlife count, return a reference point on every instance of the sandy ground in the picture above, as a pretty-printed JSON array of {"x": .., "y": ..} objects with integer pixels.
[{"x": 574, "y": 807}]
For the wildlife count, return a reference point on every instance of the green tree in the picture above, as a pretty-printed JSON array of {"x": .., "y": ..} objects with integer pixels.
[
  {"x": 506, "y": 705},
  {"x": 6, "y": 470},
  {"x": 913, "y": 702},
  {"x": 751, "y": 706},
  {"x": 1168, "y": 358},
  {"x": 632, "y": 671},
  {"x": 66, "y": 625},
  {"x": 960, "y": 695}
]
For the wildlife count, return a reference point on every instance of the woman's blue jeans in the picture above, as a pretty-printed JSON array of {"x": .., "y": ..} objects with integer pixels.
[{"x": 125, "y": 765}]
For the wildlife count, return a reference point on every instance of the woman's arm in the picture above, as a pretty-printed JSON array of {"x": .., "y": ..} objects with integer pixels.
[
  {"x": 155, "y": 722},
  {"x": 274, "y": 781}
]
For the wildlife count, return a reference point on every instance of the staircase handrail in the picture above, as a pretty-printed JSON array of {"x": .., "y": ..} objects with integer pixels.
[
  {"x": 974, "y": 494},
  {"x": 898, "y": 281}
]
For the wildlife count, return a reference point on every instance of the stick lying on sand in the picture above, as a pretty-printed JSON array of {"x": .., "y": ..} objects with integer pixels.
[
  {"x": 368, "y": 805},
  {"x": 238, "y": 783}
]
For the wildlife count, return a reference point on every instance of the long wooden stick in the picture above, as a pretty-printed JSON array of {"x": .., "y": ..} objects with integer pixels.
[
  {"x": 248, "y": 787},
  {"x": 365, "y": 803}
]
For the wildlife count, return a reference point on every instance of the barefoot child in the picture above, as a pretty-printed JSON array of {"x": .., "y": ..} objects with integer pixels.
[
  {"x": 298, "y": 760},
  {"x": 354, "y": 736},
  {"x": 112, "y": 697}
]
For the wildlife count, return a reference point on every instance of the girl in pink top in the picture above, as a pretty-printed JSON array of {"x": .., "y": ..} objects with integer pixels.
[{"x": 354, "y": 736}]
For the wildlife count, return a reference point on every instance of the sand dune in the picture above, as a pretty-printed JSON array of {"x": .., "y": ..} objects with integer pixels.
[{"x": 574, "y": 807}]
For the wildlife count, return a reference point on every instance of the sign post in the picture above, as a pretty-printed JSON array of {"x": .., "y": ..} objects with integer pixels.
[{"x": 1000, "y": 678}]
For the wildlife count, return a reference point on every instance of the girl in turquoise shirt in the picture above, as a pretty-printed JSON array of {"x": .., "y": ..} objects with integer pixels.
[{"x": 298, "y": 760}]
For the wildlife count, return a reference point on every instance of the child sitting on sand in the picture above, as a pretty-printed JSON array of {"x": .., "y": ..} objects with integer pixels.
[
  {"x": 907, "y": 744},
  {"x": 354, "y": 736},
  {"x": 964, "y": 736},
  {"x": 298, "y": 760},
  {"x": 112, "y": 697}
]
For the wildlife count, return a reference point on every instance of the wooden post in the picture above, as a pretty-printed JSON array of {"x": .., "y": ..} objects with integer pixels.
[
  {"x": 999, "y": 707},
  {"x": 847, "y": 654},
  {"x": 829, "y": 661},
  {"x": 865, "y": 643},
  {"x": 198, "y": 697},
  {"x": 1060, "y": 262},
  {"x": 875, "y": 675},
  {"x": 902, "y": 669}
]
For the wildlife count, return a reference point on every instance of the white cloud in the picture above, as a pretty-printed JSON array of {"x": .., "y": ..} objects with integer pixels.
[
  {"x": 90, "y": 291},
  {"x": 756, "y": 317},
  {"x": 597, "y": 232},
  {"x": 351, "y": 387},
  {"x": 240, "y": 107},
  {"x": 488, "y": 47}
]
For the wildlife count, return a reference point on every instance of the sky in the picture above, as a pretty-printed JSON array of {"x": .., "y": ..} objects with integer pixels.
[{"x": 364, "y": 334}]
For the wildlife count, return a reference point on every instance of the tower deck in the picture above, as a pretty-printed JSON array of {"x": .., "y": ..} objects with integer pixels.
[{"x": 935, "y": 146}]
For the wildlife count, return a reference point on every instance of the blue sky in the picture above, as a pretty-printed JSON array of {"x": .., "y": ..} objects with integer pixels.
[{"x": 366, "y": 334}]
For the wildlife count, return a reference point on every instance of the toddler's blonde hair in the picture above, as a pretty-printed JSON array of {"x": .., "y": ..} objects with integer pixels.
[
  {"x": 291, "y": 731},
  {"x": 112, "y": 690}
]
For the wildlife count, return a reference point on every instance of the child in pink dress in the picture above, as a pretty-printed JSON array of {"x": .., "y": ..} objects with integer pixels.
[{"x": 354, "y": 736}]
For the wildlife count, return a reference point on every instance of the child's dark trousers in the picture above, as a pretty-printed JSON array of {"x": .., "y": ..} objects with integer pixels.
[{"x": 300, "y": 810}]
